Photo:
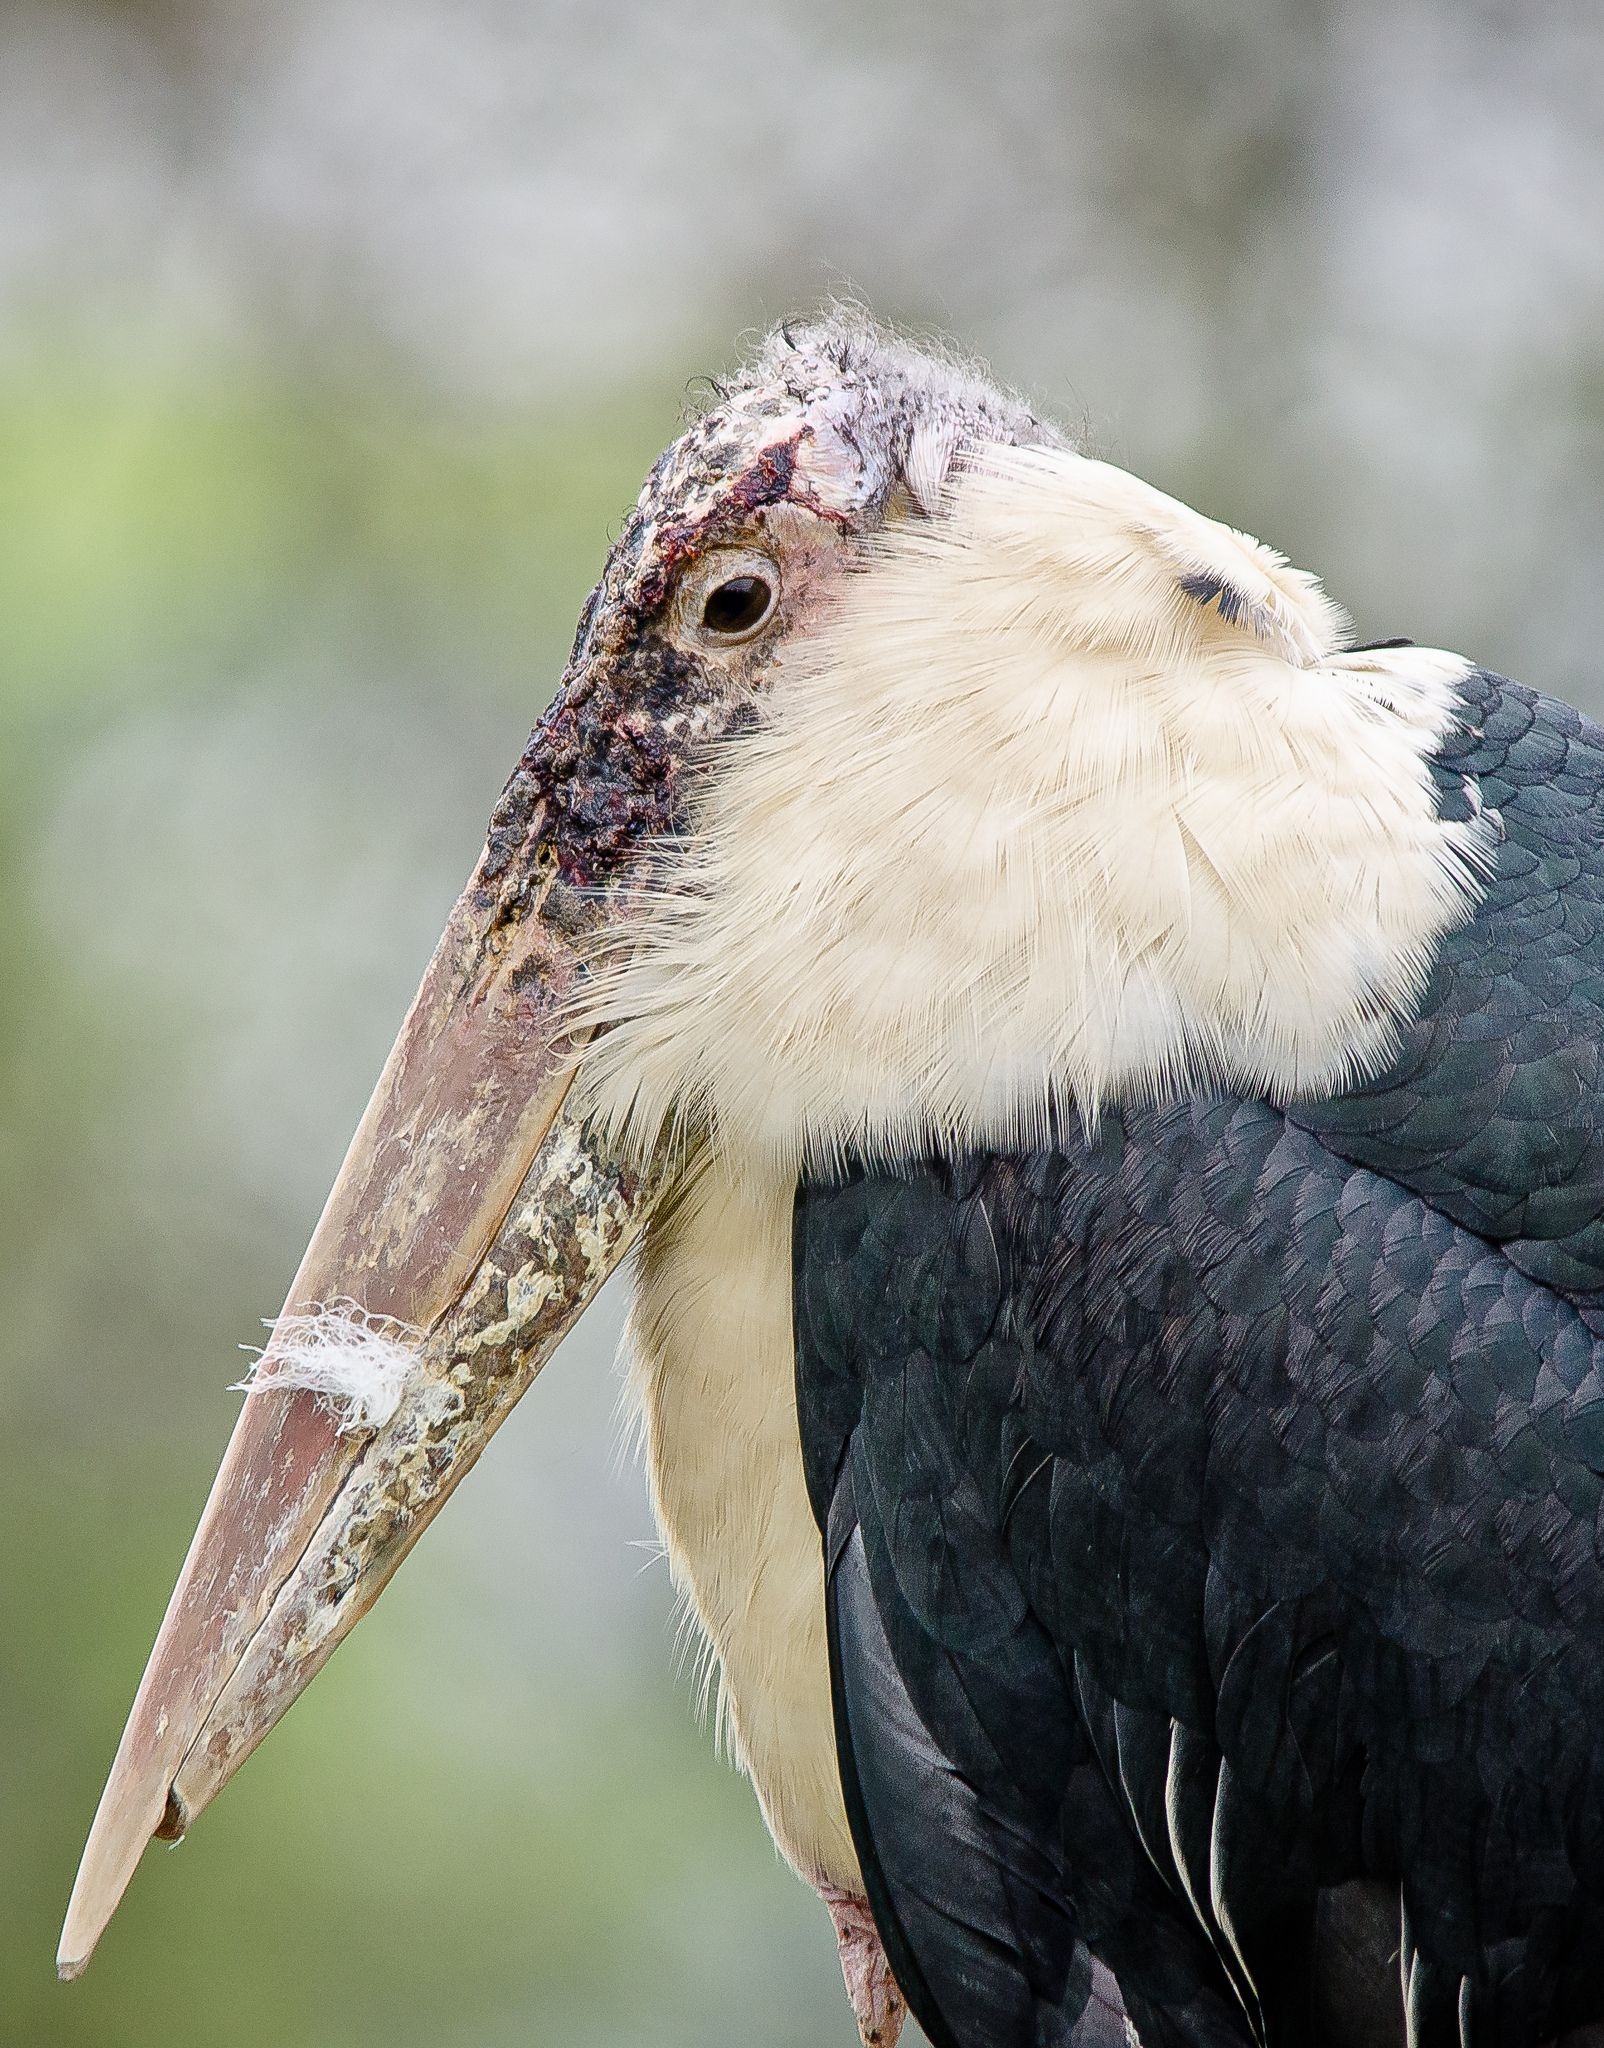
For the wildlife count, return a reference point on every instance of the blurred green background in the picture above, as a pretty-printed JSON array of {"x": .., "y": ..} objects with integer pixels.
[{"x": 335, "y": 336}]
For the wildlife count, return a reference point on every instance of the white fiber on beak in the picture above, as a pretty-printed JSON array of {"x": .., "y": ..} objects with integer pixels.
[{"x": 357, "y": 1364}]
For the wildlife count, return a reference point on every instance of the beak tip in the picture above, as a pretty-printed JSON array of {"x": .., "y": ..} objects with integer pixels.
[
  {"x": 79, "y": 1937},
  {"x": 130, "y": 1813},
  {"x": 87, "y": 1915}
]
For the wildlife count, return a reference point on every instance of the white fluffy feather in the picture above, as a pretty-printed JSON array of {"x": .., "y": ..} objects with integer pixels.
[{"x": 1026, "y": 824}]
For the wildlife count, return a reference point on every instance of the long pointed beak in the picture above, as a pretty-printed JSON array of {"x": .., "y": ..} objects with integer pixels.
[{"x": 472, "y": 1218}]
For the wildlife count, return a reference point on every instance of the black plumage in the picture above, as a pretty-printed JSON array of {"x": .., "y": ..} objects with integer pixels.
[{"x": 1212, "y": 1504}]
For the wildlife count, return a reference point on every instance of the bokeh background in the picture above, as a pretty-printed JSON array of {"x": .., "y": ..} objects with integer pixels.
[{"x": 335, "y": 335}]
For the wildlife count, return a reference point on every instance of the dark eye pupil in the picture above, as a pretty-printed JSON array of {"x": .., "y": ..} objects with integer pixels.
[{"x": 737, "y": 606}]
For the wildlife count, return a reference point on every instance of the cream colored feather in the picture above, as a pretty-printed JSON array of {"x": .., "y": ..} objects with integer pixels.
[
  {"x": 711, "y": 1352},
  {"x": 1074, "y": 799}
]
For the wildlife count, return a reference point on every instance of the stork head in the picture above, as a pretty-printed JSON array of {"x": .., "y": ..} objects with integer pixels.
[
  {"x": 740, "y": 535},
  {"x": 477, "y": 1211}
]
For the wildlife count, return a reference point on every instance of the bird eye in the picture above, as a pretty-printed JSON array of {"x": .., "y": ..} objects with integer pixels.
[{"x": 735, "y": 609}]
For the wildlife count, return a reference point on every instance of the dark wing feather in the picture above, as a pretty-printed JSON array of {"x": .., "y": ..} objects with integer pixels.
[
  {"x": 1491, "y": 1111},
  {"x": 963, "y": 1758},
  {"x": 1312, "y": 1585},
  {"x": 969, "y": 1896}
]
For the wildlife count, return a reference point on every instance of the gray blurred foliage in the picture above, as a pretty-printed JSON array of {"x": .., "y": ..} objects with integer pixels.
[{"x": 334, "y": 337}]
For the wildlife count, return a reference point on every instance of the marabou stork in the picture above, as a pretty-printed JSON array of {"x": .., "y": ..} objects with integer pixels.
[{"x": 1102, "y": 1080}]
